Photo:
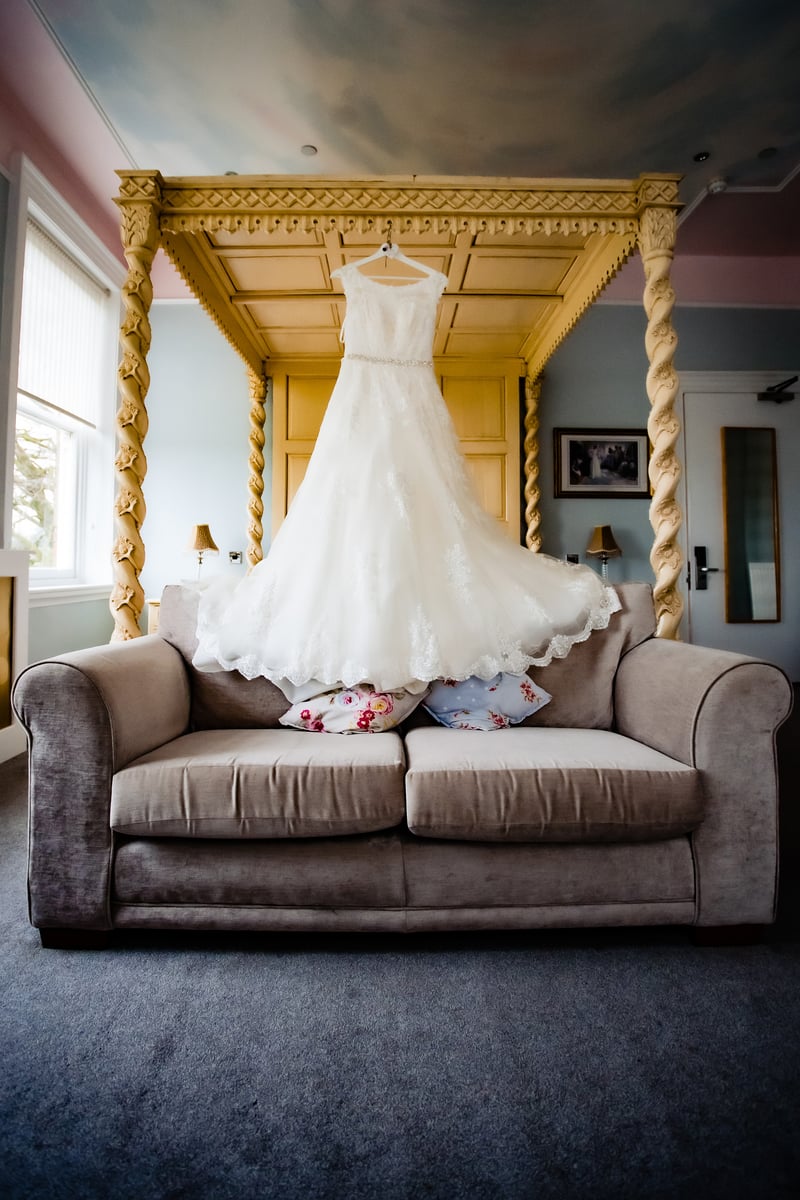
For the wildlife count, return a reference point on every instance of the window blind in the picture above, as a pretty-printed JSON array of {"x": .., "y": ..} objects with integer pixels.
[{"x": 61, "y": 329}]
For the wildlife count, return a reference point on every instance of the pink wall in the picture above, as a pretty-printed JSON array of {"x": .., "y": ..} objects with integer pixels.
[
  {"x": 78, "y": 155},
  {"x": 38, "y": 91},
  {"x": 722, "y": 282},
  {"x": 19, "y": 133}
]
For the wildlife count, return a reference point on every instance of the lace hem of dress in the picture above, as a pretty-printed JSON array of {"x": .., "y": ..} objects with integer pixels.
[{"x": 512, "y": 659}]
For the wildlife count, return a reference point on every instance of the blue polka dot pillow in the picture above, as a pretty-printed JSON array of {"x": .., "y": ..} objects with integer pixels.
[{"x": 484, "y": 703}]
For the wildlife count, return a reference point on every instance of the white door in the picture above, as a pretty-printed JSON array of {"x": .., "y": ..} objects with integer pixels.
[{"x": 711, "y": 402}]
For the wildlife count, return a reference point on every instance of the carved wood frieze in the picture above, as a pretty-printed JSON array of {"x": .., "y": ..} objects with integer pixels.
[
  {"x": 404, "y": 205},
  {"x": 393, "y": 223},
  {"x": 581, "y": 295},
  {"x": 214, "y": 302}
]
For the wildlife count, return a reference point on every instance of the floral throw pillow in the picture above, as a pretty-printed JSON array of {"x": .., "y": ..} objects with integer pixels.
[
  {"x": 358, "y": 709},
  {"x": 485, "y": 703}
]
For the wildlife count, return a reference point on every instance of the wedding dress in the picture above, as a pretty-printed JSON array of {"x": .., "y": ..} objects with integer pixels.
[{"x": 387, "y": 569}]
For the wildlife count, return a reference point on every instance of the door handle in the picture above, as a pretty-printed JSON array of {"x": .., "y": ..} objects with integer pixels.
[{"x": 702, "y": 568}]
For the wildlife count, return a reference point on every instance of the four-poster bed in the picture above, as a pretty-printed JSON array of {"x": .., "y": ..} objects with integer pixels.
[
  {"x": 196, "y": 804},
  {"x": 524, "y": 260}
]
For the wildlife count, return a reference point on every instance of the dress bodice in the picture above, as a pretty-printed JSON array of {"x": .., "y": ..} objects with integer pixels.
[{"x": 390, "y": 322}]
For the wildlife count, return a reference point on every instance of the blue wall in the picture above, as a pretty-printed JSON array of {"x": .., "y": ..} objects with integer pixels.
[
  {"x": 197, "y": 446},
  {"x": 56, "y": 628},
  {"x": 199, "y": 404},
  {"x": 199, "y": 412},
  {"x": 597, "y": 379}
]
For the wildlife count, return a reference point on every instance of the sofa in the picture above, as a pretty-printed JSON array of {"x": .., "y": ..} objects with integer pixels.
[{"x": 644, "y": 793}]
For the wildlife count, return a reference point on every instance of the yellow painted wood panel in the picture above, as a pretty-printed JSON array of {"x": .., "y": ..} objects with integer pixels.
[
  {"x": 305, "y": 407},
  {"x": 477, "y": 406},
  {"x": 296, "y": 465},
  {"x": 485, "y": 411},
  {"x": 489, "y": 476},
  {"x": 484, "y": 406}
]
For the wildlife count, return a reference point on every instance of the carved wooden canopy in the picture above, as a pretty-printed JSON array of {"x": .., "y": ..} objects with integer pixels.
[{"x": 524, "y": 260}]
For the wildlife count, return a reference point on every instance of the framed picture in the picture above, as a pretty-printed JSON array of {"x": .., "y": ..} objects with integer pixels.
[{"x": 601, "y": 462}]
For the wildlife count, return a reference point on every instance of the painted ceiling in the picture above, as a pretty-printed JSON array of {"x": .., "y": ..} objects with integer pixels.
[
  {"x": 523, "y": 88},
  {"x": 536, "y": 88}
]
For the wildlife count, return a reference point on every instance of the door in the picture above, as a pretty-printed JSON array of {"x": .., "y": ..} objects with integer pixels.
[{"x": 767, "y": 623}]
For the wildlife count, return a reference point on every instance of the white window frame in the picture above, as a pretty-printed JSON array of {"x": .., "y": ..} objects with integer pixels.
[
  {"x": 32, "y": 196},
  {"x": 78, "y": 467}
]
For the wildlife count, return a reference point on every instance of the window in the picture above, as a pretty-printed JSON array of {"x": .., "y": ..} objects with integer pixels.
[
  {"x": 63, "y": 472},
  {"x": 45, "y": 488}
]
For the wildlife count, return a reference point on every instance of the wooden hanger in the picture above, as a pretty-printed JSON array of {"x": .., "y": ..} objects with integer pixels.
[{"x": 386, "y": 251}]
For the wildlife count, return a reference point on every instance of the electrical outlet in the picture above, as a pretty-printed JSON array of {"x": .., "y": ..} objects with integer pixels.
[{"x": 235, "y": 556}]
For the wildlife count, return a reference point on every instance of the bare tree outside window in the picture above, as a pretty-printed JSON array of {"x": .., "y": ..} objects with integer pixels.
[{"x": 36, "y": 468}]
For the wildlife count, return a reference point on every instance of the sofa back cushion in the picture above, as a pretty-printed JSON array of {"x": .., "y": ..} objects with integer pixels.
[
  {"x": 582, "y": 684},
  {"x": 220, "y": 699}
]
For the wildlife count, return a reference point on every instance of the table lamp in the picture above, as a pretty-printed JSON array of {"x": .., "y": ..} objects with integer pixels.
[
  {"x": 202, "y": 541},
  {"x": 603, "y": 544}
]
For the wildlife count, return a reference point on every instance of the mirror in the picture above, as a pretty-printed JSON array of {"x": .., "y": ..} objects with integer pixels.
[
  {"x": 752, "y": 548},
  {"x": 6, "y": 646}
]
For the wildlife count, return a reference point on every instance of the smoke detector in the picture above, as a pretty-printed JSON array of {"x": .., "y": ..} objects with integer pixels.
[{"x": 716, "y": 185}]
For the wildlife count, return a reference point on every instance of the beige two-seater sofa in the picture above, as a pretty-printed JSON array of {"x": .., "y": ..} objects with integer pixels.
[{"x": 645, "y": 793}]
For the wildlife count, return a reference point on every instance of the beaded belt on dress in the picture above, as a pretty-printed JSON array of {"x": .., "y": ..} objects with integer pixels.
[{"x": 393, "y": 362}]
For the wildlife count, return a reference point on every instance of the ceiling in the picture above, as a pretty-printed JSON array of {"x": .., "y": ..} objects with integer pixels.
[
  {"x": 604, "y": 89},
  {"x": 598, "y": 89}
]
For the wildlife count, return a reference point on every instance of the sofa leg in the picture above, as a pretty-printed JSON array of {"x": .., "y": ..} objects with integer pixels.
[
  {"x": 727, "y": 935},
  {"x": 75, "y": 939}
]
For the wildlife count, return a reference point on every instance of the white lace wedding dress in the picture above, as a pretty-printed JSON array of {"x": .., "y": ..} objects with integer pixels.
[{"x": 387, "y": 569}]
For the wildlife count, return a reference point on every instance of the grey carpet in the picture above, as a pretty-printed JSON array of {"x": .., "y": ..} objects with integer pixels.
[{"x": 616, "y": 1064}]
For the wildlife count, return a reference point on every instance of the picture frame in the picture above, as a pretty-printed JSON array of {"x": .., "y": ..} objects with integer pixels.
[{"x": 601, "y": 463}]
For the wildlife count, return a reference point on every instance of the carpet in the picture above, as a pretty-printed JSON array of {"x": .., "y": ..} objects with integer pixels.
[{"x": 587, "y": 1064}]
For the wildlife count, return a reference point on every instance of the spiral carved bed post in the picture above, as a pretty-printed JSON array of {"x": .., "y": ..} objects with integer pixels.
[
  {"x": 140, "y": 237},
  {"x": 533, "y": 518},
  {"x": 255, "y": 482},
  {"x": 656, "y": 242}
]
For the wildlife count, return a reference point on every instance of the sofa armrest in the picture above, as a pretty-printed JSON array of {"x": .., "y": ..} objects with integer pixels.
[
  {"x": 719, "y": 712},
  {"x": 86, "y": 715}
]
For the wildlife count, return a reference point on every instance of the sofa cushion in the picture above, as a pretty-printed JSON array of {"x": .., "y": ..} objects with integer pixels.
[
  {"x": 546, "y": 785},
  {"x": 582, "y": 684},
  {"x": 220, "y": 699},
  {"x": 261, "y": 783}
]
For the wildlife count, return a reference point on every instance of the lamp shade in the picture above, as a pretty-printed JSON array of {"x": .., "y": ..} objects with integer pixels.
[
  {"x": 201, "y": 539},
  {"x": 602, "y": 542}
]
